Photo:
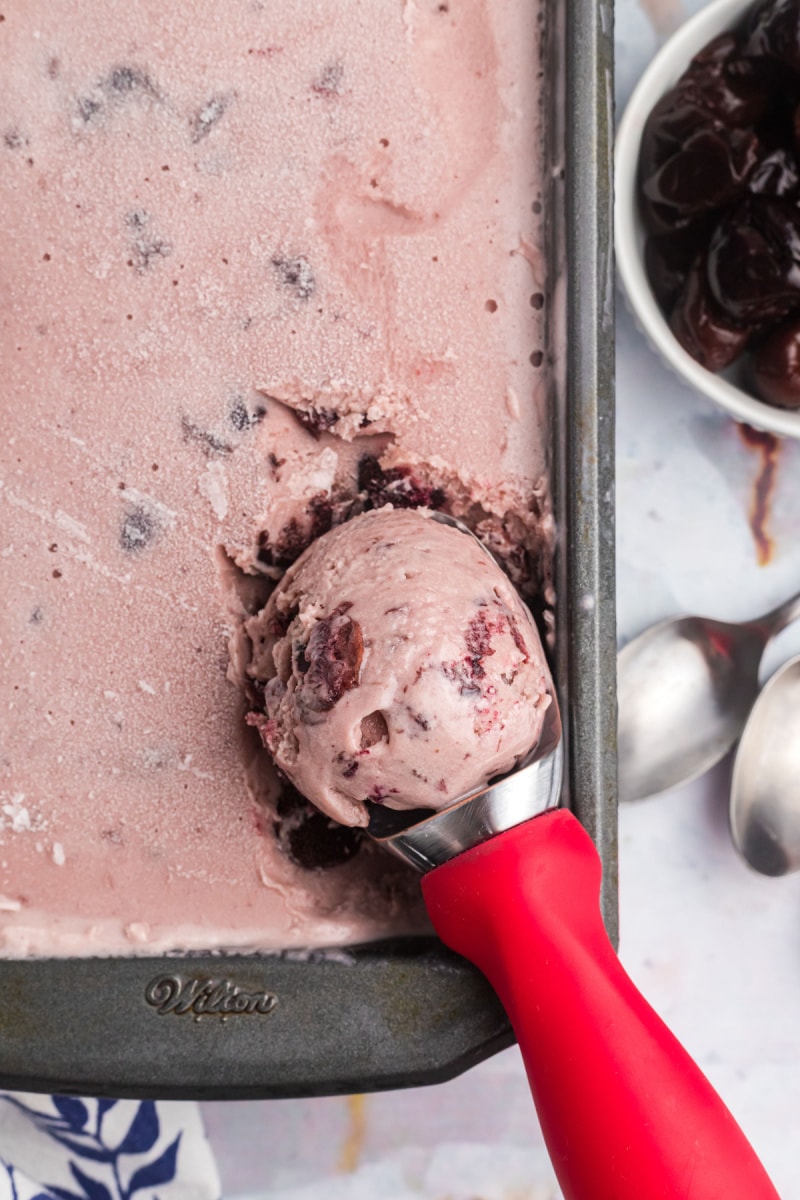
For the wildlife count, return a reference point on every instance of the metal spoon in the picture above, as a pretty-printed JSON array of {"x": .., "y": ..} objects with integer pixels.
[
  {"x": 765, "y": 790},
  {"x": 685, "y": 688}
]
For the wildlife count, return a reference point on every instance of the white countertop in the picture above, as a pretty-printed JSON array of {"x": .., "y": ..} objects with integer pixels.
[{"x": 713, "y": 946}]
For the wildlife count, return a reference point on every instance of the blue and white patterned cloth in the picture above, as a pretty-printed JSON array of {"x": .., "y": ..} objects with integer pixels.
[{"x": 65, "y": 1148}]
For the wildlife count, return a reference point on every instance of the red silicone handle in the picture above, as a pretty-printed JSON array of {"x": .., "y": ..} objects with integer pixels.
[{"x": 625, "y": 1112}]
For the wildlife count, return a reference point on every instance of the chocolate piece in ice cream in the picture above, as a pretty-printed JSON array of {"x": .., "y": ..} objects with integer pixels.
[{"x": 399, "y": 667}]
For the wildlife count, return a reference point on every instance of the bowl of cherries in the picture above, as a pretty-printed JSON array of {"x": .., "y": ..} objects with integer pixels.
[{"x": 707, "y": 215}]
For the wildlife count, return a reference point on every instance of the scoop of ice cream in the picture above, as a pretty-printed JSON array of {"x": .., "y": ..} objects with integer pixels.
[{"x": 399, "y": 666}]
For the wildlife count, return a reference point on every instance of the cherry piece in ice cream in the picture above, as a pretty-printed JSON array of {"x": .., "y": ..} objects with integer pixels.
[
  {"x": 396, "y": 486},
  {"x": 330, "y": 661},
  {"x": 308, "y": 837}
]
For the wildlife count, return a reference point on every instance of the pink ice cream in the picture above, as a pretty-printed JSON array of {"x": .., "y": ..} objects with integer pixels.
[
  {"x": 260, "y": 261},
  {"x": 398, "y": 666}
]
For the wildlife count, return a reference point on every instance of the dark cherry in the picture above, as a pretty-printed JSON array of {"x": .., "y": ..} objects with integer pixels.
[
  {"x": 719, "y": 195},
  {"x": 794, "y": 131},
  {"x": 331, "y": 661},
  {"x": 773, "y": 32},
  {"x": 308, "y": 837},
  {"x": 703, "y": 329},
  {"x": 776, "y": 174},
  {"x": 668, "y": 259},
  {"x": 672, "y": 120},
  {"x": 776, "y": 366},
  {"x": 663, "y": 221},
  {"x": 699, "y": 145},
  {"x": 726, "y": 84},
  {"x": 665, "y": 270},
  {"x": 294, "y": 538},
  {"x": 717, "y": 88},
  {"x": 395, "y": 485},
  {"x": 711, "y": 168},
  {"x": 754, "y": 261}
]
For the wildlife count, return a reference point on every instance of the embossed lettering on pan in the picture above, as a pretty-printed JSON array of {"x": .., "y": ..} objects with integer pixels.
[{"x": 183, "y": 994}]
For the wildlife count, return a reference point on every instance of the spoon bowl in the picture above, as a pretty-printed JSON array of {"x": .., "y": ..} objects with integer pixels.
[
  {"x": 685, "y": 688},
  {"x": 765, "y": 790}
]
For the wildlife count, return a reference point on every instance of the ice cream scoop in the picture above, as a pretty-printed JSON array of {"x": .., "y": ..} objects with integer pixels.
[
  {"x": 512, "y": 883},
  {"x": 398, "y": 667}
]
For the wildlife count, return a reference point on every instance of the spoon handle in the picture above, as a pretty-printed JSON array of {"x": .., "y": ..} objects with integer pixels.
[
  {"x": 625, "y": 1112},
  {"x": 778, "y": 618}
]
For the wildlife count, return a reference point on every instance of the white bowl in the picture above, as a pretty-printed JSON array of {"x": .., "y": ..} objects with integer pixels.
[{"x": 727, "y": 389}]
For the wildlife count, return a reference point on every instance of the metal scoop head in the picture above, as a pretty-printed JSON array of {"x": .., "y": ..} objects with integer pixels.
[{"x": 427, "y": 839}]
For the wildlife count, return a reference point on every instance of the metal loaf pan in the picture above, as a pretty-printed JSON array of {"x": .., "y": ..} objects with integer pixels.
[{"x": 406, "y": 1012}]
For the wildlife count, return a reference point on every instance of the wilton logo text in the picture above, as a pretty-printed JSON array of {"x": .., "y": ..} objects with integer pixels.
[{"x": 181, "y": 994}]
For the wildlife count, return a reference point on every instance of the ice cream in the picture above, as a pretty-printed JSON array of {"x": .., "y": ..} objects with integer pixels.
[
  {"x": 263, "y": 268},
  {"x": 398, "y": 667}
]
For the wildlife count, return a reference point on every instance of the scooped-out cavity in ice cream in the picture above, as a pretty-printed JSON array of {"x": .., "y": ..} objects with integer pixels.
[{"x": 397, "y": 666}]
